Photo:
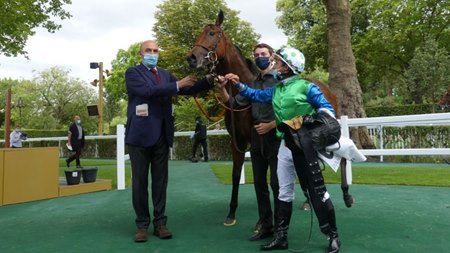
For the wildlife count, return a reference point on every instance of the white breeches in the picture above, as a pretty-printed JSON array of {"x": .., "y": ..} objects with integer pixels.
[{"x": 286, "y": 174}]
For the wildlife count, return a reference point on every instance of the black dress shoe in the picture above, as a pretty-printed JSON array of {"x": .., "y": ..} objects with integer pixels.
[
  {"x": 276, "y": 244},
  {"x": 261, "y": 234}
]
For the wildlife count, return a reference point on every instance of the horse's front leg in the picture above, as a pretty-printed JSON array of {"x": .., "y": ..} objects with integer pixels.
[
  {"x": 348, "y": 198},
  {"x": 238, "y": 160}
]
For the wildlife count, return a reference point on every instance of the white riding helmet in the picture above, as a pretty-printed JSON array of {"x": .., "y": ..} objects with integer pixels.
[{"x": 293, "y": 58}]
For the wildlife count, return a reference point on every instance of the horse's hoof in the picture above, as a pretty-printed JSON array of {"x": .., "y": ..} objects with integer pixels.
[
  {"x": 229, "y": 222},
  {"x": 348, "y": 200},
  {"x": 306, "y": 206}
]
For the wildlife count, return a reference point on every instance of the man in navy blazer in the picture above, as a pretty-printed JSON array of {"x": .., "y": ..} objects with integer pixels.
[
  {"x": 76, "y": 141},
  {"x": 149, "y": 134}
]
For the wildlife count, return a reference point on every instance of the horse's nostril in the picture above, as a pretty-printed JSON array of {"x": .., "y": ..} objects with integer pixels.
[{"x": 191, "y": 58}]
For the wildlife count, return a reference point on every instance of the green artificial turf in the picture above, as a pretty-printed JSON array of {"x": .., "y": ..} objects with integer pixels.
[
  {"x": 384, "y": 218},
  {"x": 365, "y": 173},
  {"x": 107, "y": 169}
]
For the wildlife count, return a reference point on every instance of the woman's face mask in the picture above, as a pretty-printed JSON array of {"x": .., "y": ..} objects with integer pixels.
[
  {"x": 17, "y": 129},
  {"x": 150, "y": 60}
]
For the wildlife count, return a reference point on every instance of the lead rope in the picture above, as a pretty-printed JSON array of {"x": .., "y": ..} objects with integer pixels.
[
  {"x": 233, "y": 126},
  {"x": 310, "y": 227}
]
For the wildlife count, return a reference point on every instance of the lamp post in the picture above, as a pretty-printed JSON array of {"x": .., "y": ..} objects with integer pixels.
[{"x": 99, "y": 65}]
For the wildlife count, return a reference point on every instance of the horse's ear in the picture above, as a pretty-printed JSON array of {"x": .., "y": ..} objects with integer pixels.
[{"x": 219, "y": 19}]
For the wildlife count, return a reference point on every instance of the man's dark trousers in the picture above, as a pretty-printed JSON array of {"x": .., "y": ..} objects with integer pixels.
[
  {"x": 141, "y": 157},
  {"x": 264, "y": 151}
]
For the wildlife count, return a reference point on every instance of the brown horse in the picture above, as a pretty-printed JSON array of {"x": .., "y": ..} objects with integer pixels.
[
  {"x": 215, "y": 50},
  {"x": 445, "y": 101}
]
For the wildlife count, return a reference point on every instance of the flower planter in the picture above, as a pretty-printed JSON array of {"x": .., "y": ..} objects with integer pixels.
[
  {"x": 73, "y": 176},
  {"x": 89, "y": 174}
]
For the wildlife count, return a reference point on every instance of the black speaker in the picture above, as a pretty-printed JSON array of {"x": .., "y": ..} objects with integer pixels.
[
  {"x": 92, "y": 110},
  {"x": 93, "y": 65}
]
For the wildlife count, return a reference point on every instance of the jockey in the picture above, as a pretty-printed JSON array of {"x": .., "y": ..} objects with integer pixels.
[{"x": 293, "y": 97}]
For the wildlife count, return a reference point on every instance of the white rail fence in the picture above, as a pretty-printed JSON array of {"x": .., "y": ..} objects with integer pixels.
[{"x": 375, "y": 123}]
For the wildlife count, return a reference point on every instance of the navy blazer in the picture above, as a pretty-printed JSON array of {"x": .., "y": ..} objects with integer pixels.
[
  {"x": 142, "y": 88},
  {"x": 74, "y": 142}
]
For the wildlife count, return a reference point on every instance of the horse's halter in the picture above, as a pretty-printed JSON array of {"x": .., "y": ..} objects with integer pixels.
[{"x": 211, "y": 56}]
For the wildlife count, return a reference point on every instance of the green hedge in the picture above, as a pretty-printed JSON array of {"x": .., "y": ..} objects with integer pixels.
[
  {"x": 37, "y": 133},
  {"x": 218, "y": 148},
  {"x": 219, "y": 145},
  {"x": 402, "y": 110},
  {"x": 414, "y": 137}
]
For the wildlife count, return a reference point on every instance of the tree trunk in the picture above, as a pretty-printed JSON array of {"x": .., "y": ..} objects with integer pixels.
[{"x": 341, "y": 61}]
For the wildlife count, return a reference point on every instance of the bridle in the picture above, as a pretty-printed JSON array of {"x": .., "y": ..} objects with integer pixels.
[{"x": 211, "y": 56}]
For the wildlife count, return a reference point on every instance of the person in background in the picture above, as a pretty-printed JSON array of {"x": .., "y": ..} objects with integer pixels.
[
  {"x": 264, "y": 143},
  {"x": 16, "y": 138},
  {"x": 149, "y": 135},
  {"x": 200, "y": 137},
  {"x": 76, "y": 141}
]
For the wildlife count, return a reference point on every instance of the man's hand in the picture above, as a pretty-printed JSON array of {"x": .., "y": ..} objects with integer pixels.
[
  {"x": 188, "y": 81},
  {"x": 221, "y": 82},
  {"x": 263, "y": 128},
  {"x": 232, "y": 77}
]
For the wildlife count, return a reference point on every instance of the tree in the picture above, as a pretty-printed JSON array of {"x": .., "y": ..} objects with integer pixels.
[
  {"x": 61, "y": 97},
  {"x": 180, "y": 21},
  {"x": 342, "y": 68},
  {"x": 384, "y": 36},
  {"x": 178, "y": 24},
  {"x": 304, "y": 22},
  {"x": 428, "y": 74},
  {"x": 115, "y": 84},
  {"x": 18, "y": 19},
  {"x": 397, "y": 28}
]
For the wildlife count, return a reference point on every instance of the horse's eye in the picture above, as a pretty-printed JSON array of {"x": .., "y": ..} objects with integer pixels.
[{"x": 211, "y": 33}]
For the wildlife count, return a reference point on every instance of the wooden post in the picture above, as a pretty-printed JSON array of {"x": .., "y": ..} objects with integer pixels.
[
  {"x": 100, "y": 98},
  {"x": 8, "y": 118}
]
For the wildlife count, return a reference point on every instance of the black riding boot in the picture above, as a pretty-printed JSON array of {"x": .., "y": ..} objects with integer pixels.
[
  {"x": 334, "y": 244},
  {"x": 279, "y": 240}
]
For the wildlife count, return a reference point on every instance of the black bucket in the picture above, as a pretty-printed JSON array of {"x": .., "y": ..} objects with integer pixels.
[
  {"x": 89, "y": 174},
  {"x": 73, "y": 176}
]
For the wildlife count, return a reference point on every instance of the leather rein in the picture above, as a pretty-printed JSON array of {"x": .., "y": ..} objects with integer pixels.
[{"x": 213, "y": 58}]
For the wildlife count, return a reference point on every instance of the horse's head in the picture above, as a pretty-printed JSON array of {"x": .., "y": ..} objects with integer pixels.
[
  {"x": 445, "y": 101},
  {"x": 209, "y": 46}
]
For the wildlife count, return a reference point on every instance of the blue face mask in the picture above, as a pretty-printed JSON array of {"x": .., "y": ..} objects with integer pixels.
[
  {"x": 262, "y": 62},
  {"x": 150, "y": 60},
  {"x": 276, "y": 75}
]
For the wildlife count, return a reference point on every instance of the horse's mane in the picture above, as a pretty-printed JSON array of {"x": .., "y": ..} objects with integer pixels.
[{"x": 251, "y": 66}]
